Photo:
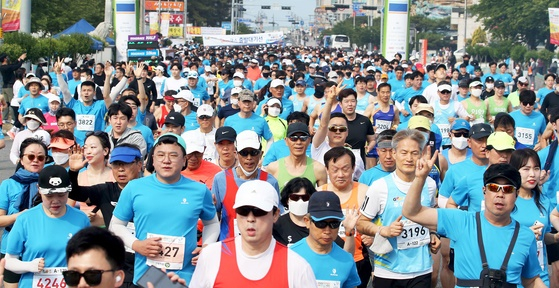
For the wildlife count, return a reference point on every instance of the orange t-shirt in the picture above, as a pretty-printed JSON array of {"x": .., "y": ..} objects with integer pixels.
[{"x": 204, "y": 174}]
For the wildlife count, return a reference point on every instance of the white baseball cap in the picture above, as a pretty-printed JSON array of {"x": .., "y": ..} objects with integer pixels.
[
  {"x": 257, "y": 193},
  {"x": 195, "y": 141},
  {"x": 236, "y": 90},
  {"x": 273, "y": 101},
  {"x": 53, "y": 98},
  {"x": 206, "y": 110},
  {"x": 239, "y": 74},
  {"x": 186, "y": 95},
  {"x": 247, "y": 139},
  {"x": 276, "y": 82},
  {"x": 192, "y": 74}
]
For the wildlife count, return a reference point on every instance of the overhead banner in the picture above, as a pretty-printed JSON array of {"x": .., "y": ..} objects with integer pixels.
[
  {"x": 165, "y": 6},
  {"x": 165, "y": 17},
  {"x": 125, "y": 25},
  {"x": 245, "y": 39},
  {"x": 10, "y": 15},
  {"x": 396, "y": 28},
  {"x": 176, "y": 32},
  {"x": 198, "y": 31},
  {"x": 554, "y": 26},
  {"x": 153, "y": 22}
]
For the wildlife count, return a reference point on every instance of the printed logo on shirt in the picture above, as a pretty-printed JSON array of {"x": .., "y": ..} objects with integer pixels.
[
  {"x": 361, "y": 123},
  {"x": 113, "y": 203},
  {"x": 184, "y": 201},
  {"x": 69, "y": 236},
  {"x": 334, "y": 272}
]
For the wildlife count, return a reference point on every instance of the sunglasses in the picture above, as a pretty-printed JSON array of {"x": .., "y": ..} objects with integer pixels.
[
  {"x": 523, "y": 84},
  {"x": 336, "y": 128},
  {"x": 204, "y": 117},
  {"x": 245, "y": 210},
  {"x": 295, "y": 197},
  {"x": 528, "y": 103},
  {"x": 445, "y": 92},
  {"x": 31, "y": 157},
  {"x": 461, "y": 134},
  {"x": 294, "y": 138},
  {"x": 322, "y": 224},
  {"x": 251, "y": 152},
  {"x": 91, "y": 277},
  {"x": 507, "y": 189}
]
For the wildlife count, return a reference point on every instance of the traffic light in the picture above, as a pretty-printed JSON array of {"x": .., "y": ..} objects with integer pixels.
[
  {"x": 266, "y": 7},
  {"x": 285, "y": 7},
  {"x": 369, "y": 7},
  {"x": 330, "y": 8}
]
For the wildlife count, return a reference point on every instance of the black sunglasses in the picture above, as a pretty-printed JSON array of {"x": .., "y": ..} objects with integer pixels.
[
  {"x": 461, "y": 134},
  {"x": 204, "y": 117},
  {"x": 294, "y": 138},
  {"x": 528, "y": 103},
  {"x": 295, "y": 197},
  {"x": 445, "y": 92},
  {"x": 91, "y": 277},
  {"x": 245, "y": 210},
  {"x": 322, "y": 224},
  {"x": 251, "y": 152},
  {"x": 522, "y": 84},
  {"x": 337, "y": 129}
]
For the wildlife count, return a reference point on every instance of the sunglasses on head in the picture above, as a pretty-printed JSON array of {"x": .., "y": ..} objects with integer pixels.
[
  {"x": 461, "y": 134},
  {"x": 322, "y": 224},
  {"x": 528, "y": 103},
  {"x": 336, "y": 128},
  {"x": 91, "y": 277},
  {"x": 251, "y": 152},
  {"x": 507, "y": 188},
  {"x": 294, "y": 138},
  {"x": 295, "y": 197},
  {"x": 31, "y": 157},
  {"x": 245, "y": 210}
]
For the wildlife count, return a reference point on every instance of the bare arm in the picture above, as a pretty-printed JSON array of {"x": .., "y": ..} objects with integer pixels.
[
  {"x": 322, "y": 131},
  {"x": 535, "y": 282},
  {"x": 141, "y": 89},
  {"x": 320, "y": 173},
  {"x": 451, "y": 204}
]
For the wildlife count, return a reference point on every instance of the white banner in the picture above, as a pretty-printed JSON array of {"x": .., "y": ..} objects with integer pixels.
[
  {"x": 125, "y": 25},
  {"x": 165, "y": 19},
  {"x": 396, "y": 28},
  {"x": 245, "y": 39}
]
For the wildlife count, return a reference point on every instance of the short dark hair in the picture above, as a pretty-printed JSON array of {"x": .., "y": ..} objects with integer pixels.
[
  {"x": 130, "y": 97},
  {"x": 503, "y": 119},
  {"x": 346, "y": 93},
  {"x": 103, "y": 139},
  {"x": 29, "y": 141},
  {"x": 64, "y": 134},
  {"x": 88, "y": 83},
  {"x": 550, "y": 75},
  {"x": 122, "y": 107},
  {"x": 96, "y": 238},
  {"x": 382, "y": 85},
  {"x": 65, "y": 111},
  {"x": 293, "y": 186},
  {"x": 527, "y": 96},
  {"x": 336, "y": 153},
  {"x": 299, "y": 116},
  {"x": 87, "y": 72},
  {"x": 338, "y": 115},
  {"x": 419, "y": 98}
]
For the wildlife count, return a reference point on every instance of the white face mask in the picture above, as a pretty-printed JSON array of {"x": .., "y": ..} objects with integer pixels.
[
  {"x": 60, "y": 158},
  {"x": 460, "y": 143},
  {"x": 298, "y": 208},
  {"x": 83, "y": 79},
  {"x": 32, "y": 124},
  {"x": 489, "y": 86},
  {"x": 237, "y": 83},
  {"x": 247, "y": 173},
  {"x": 234, "y": 101},
  {"x": 476, "y": 92},
  {"x": 274, "y": 111}
]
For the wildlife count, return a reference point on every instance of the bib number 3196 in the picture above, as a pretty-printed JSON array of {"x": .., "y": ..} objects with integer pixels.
[{"x": 413, "y": 236}]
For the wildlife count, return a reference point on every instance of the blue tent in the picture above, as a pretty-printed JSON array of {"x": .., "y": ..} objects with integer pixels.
[{"x": 83, "y": 27}]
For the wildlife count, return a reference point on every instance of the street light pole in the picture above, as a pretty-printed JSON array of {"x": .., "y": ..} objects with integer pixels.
[
  {"x": 232, "y": 17},
  {"x": 465, "y": 23}
]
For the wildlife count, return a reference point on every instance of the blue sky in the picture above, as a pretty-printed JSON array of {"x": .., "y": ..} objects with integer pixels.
[{"x": 299, "y": 8}]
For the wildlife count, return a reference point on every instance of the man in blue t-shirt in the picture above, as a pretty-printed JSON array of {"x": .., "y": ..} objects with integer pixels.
[
  {"x": 165, "y": 197},
  {"x": 529, "y": 124},
  {"x": 332, "y": 266},
  {"x": 501, "y": 183},
  {"x": 199, "y": 91}
]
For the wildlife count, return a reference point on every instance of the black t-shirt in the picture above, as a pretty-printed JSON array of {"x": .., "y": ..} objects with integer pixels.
[
  {"x": 227, "y": 111},
  {"x": 550, "y": 103},
  {"x": 286, "y": 232},
  {"x": 358, "y": 131},
  {"x": 99, "y": 79}
]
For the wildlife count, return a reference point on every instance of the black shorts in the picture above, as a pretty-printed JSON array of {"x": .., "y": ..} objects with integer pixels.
[
  {"x": 9, "y": 276},
  {"x": 423, "y": 281},
  {"x": 552, "y": 250}
]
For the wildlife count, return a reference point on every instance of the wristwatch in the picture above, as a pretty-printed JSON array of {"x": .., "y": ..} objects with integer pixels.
[{"x": 350, "y": 233}]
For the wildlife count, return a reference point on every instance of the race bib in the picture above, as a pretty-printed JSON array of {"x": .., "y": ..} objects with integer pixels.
[
  {"x": 540, "y": 254},
  {"x": 382, "y": 125},
  {"x": 341, "y": 230},
  {"x": 525, "y": 135},
  {"x": 328, "y": 284},
  {"x": 172, "y": 253},
  {"x": 132, "y": 230},
  {"x": 445, "y": 130},
  {"x": 413, "y": 235},
  {"x": 49, "y": 278},
  {"x": 85, "y": 122}
]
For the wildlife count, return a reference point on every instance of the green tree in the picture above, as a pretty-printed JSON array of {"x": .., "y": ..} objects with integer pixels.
[
  {"x": 546, "y": 56},
  {"x": 517, "y": 53},
  {"x": 242, "y": 28},
  {"x": 12, "y": 50},
  {"x": 361, "y": 34},
  {"x": 54, "y": 16},
  {"x": 77, "y": 44},
  {"x": 515, "y": 20},
  {"x": 209, "y": 12},
  {"x": 479, "y": 36}
]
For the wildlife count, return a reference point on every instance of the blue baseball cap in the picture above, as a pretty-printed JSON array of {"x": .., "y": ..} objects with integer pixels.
[
  {"x": 325, "y": 205},
  {"x": 460, "y": 124},
  {"x": 125, "y": 154},
  {"x": 301, "y": 83}
]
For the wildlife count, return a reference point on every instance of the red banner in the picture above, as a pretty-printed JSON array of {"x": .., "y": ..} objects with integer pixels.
[{"x": 165, "y": 6}]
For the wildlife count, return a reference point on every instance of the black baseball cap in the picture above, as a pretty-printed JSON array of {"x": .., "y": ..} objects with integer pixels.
[
  {"x": 499, "y": 83},
  {"x": 489, "y": 79},
  {"x": 297, "y": 127},
  {"x": 54, "y": 179},
  {"x": 325, "y": 205},
  {"x": 505, "y": 171},
  {"x": 464, "y": 83},
  {"x": 480, "y": 130},
  {"x": 175, "y": 118},
  {"x": 225, "y": 133}
]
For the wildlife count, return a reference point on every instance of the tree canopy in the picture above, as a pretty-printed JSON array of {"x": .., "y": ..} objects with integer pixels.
[{"x": 53, "y": 16}]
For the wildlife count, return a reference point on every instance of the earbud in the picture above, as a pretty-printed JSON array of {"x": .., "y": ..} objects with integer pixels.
[{"x": 118, "y": 278}]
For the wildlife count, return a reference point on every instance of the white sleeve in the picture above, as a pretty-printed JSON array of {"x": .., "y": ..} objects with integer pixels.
[
  {"x": 460, "y": 110},
  {"x": 14, "y": 150},
  {"x": 432, "y": 187},
  {"x": 207, "y": 267},
  {"x": 375, "y": 199},
  {"x": 19, "y": 267},
  {"x": 119, "y": 87},
  {"x": 299, "y": 272},
  {"x": 118, "y": 227},
  {"x": 64, "y": 89},
  {"x": 211, "y": 230}
]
